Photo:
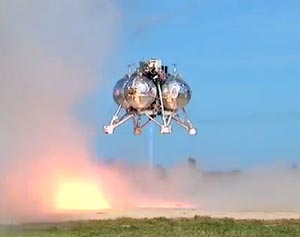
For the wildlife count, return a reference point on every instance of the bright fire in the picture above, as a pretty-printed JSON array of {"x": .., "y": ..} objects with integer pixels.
[{"x": 80, "y": 196}]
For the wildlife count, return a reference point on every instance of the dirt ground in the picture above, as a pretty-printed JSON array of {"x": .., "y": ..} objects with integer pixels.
[{"x": 172, "y": 213}]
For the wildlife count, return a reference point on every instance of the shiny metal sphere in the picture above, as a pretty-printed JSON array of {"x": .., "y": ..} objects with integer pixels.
[
  {"x": 140, "y": 92},
  {"x": 176, "y": 93},
  {"x": 118, "y": 92}
]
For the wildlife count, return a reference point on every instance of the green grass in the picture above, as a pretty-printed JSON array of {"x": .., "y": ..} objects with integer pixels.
[{"x": 197, "y": 226}]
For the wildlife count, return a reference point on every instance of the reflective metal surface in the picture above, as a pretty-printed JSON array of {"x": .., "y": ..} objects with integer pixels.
[
  {"x": 151, "y": 94},
  {"x": 140, "y": 92},
  {"x": 118, "y": 92},
  {"x": 176, "y": 93}
]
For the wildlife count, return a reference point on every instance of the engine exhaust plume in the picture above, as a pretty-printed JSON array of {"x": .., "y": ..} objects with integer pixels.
[{"x": 50, "y": 54}]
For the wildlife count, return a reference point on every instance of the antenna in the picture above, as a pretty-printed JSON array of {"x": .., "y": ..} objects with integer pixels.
[
  {"x": 129, "y": 69},
  {"x": 174, "y": 68}
]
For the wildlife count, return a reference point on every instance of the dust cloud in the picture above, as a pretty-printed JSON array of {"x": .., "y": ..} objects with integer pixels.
[{"x": 265, "y": 189}]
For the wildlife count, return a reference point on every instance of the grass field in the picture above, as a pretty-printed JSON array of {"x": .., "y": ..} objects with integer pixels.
[{"x": 197, "y": 226}]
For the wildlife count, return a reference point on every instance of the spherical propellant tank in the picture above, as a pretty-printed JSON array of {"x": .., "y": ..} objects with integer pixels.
[
  {"x": 118, "y": 92},
  {"x": 140, "y": 92},
  {"x": 176, "y": 93}
]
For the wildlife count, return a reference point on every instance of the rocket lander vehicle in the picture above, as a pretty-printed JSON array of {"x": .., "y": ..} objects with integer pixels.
[{"x": 151, "y": 94}]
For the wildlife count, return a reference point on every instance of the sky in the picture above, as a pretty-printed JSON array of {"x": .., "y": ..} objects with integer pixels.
[{"x": 241, "y": 59}]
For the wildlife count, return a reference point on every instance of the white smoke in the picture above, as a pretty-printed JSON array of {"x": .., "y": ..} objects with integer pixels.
[{"x": 51, "y": 53}]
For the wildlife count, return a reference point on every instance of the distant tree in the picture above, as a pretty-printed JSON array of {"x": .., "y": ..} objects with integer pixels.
[
  {"x": 294, "y": 167},
  {"x": 236, "y": 172},
  {"x": 192, "y": 162}
]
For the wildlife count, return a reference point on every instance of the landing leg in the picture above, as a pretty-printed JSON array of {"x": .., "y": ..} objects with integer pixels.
[
  {"x": 115, "y": 122},
  {"x": 185, "y": 122}
]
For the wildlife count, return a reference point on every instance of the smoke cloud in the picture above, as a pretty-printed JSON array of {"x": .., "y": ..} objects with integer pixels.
[{"x": 51, "y": 53}]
